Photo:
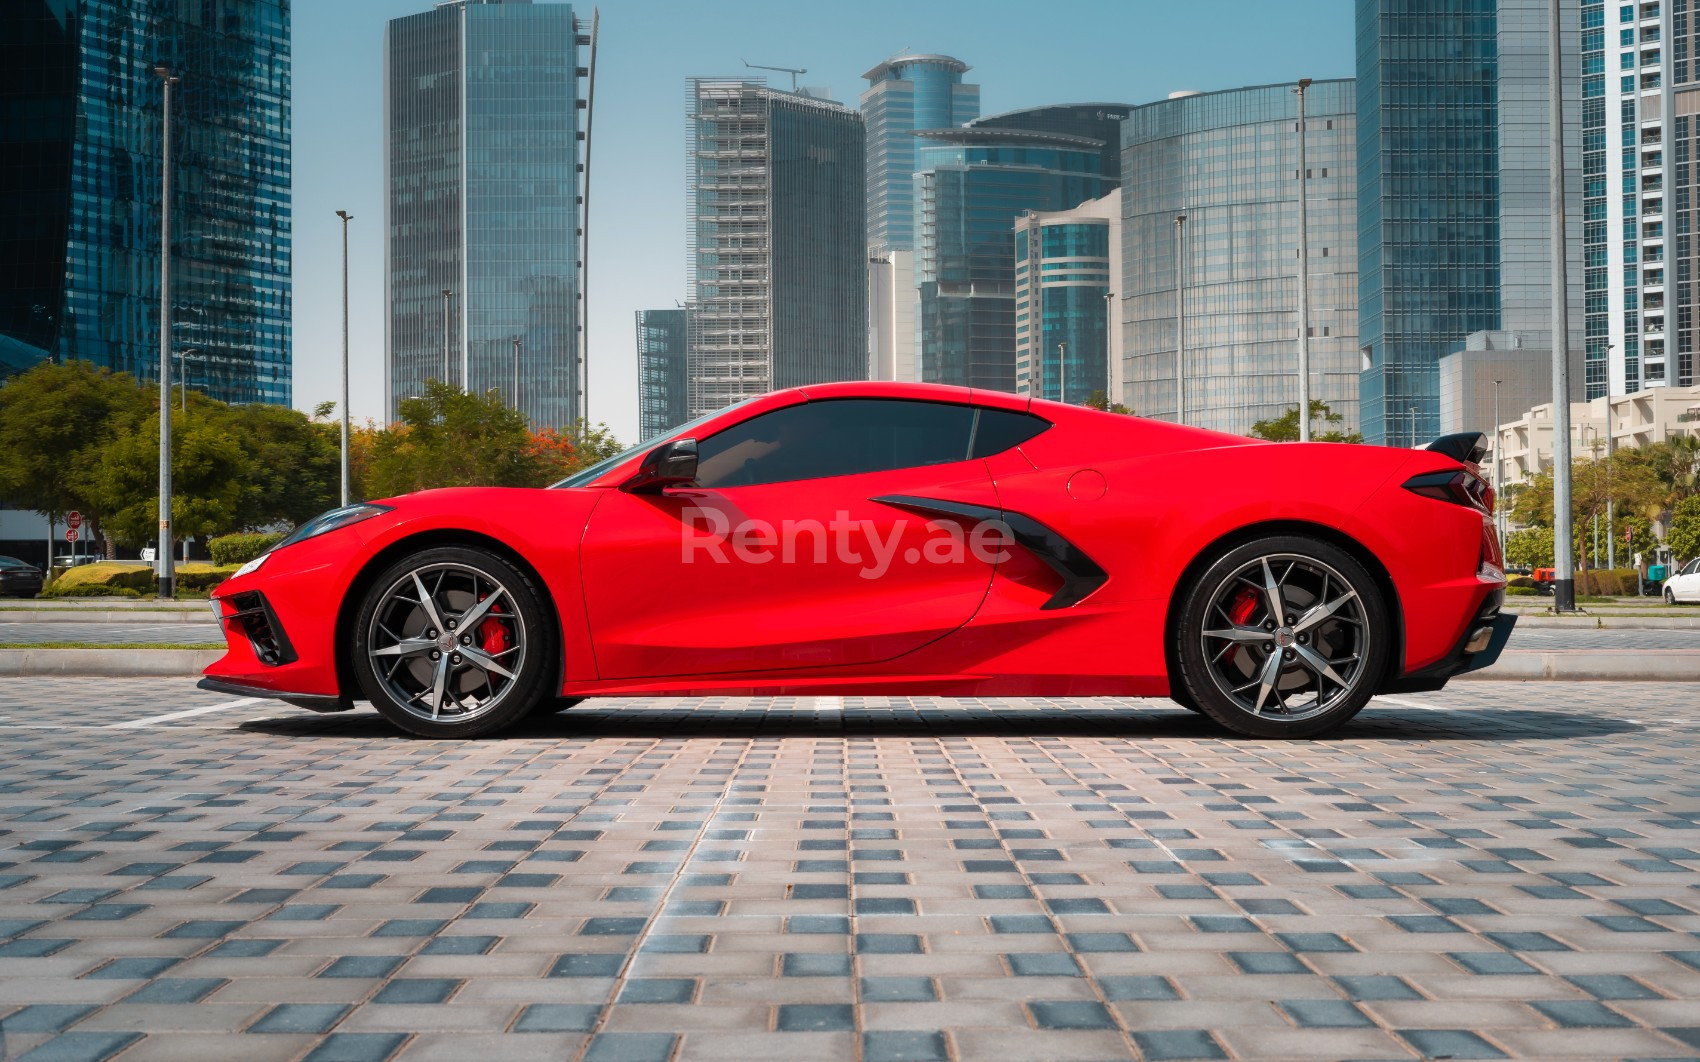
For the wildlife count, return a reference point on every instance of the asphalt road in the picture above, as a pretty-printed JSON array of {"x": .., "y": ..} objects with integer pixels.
[{"x": 1492, "y": 870}]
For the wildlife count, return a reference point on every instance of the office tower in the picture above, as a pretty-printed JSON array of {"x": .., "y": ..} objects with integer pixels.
[
  {"x": 1452, "y": 210},
  {"x": 905, "y": 93},
  {"x": 1068, "y": 269},
  {"x": 1228, "y": 161},
  {"x": 483, "y": 128},
  {"x": 972, "y": 184},
  {"x": 1641, "y": 131},
  {"x": 777, "y": 255},
  {"x": 80, "y": 133},
  {"x": 662, "y": 376}
]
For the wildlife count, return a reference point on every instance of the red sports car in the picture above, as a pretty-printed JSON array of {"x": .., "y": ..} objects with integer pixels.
[{"x": 880, "y": 538}]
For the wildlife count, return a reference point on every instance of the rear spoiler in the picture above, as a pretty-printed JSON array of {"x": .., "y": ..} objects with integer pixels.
[{"x": 1465, "y": 447}]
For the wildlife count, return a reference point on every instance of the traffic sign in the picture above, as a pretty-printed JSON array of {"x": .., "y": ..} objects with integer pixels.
[
  {"x": 75, "y": 519},
  {"x": 70, "y": 534}
]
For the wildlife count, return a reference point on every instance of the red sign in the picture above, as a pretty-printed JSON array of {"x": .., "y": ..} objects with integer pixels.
[
  {"x": 70, "y": 534},
  {"x": 75, "y": 519}
]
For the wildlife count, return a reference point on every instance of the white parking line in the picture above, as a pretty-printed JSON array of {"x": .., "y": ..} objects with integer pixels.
[
  {"x": 184, "y": 714},
  {"x": 1408, "y": 703}
]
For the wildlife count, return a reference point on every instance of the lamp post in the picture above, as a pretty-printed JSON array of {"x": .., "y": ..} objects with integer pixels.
[
  {"x": 1498, "y": 489},
  {"x": 167, "y": 575},
  {"x": 1180, "y": 318},
  {"x": 514, "y": 398},
  {"x": 183, "y": 376},
  {"x": 1564, "y": 564},
  {"x": 447, "y": 293},
  {"x": 346, "y": 218},
  {"x": 1611, "y": 532},
  {"x": 1304, "y": 278}
]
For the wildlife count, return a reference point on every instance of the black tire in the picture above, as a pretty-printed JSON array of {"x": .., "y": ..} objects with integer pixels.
[
  {"x": 1670, "y": 598},
  {"x": 1242, "y": 670},
  {"x": 1178, "y": 693},
  {"x": 495, "y": 671}
]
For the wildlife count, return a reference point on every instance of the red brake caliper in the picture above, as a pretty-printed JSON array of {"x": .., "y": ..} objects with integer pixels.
[
  {"x": 492, "y": 635},
  {"x": 1240, "y": 610}
]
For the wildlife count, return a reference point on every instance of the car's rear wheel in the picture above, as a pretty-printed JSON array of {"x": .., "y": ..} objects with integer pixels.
[
  {"x": 1285, "y": 636},
  {"x": 451, "y": 642}
]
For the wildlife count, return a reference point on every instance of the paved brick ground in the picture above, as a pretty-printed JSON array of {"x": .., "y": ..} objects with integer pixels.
[{"x": 1496, "y": 870}]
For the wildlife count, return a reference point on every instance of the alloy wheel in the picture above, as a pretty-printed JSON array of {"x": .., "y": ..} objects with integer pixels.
[
  {"x": 447, "y": 641},
  {"x": 1285, "y": 637}
]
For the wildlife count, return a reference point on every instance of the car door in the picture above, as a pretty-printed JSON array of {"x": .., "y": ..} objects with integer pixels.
[
  {"x": 779, "y": 557},
  {"x": 1686, "y": 585}
]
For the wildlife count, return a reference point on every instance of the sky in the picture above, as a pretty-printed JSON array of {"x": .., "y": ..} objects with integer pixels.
[{"x": 1022, "y": 55}]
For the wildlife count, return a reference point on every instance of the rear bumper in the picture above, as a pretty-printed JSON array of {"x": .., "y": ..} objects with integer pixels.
[{"x": 1483, "y": 640}]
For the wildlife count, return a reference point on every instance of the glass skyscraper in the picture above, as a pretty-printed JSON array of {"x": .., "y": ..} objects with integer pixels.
[
  {"x": 662, "y": 373},
  {"x": 483, "y": 119},
  {"x": 905, "y": 93},
  {"x": 971, "y": 186},
  {"x": 1067, "y": 266},
  {"x": 777, "y": 252},
  {"x": 1229, "y": 162},
  {"x": 1641, "y": 132},
  {"x": 80, "y": 135},
  {"x": 1452, "y": 212}
]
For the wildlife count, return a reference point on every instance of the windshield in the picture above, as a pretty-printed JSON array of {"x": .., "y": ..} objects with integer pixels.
[
  {"x": 589, "y": 475},
  {"x": 13, "y": 562}
]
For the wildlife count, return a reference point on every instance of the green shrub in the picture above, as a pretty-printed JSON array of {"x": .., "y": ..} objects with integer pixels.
[
  {"x": 1613, "y": 582},
  {"x": 1515, "y": 590},
  {"x": 90, "y": 590},
  {"x": 197, "y": 576},
  {"x": 241, "y": 548},
  {"x": 103, "y": 577}
]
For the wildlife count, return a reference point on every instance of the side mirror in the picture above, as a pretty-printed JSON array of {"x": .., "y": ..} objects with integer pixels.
[{"x": 672, "y": 464}]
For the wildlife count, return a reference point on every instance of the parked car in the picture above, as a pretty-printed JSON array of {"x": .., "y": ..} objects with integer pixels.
[
  {"x": 1683, "y": 588},
  {"x": 898, "y": 539},
  {"x": 19, "y": 578}
]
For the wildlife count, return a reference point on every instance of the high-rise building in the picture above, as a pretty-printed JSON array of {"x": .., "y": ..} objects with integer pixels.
[
  {"x": 1453, "y": 149},
  {"x": 483, "y": 120},
  {"x": 1641, "y": 140},
  {"x": 1068, "y": 268},
  {"x": 80, "y": 135},
  {"x": 662, "y": 374},
  {"x": 971, "y": 185},
  {"x": 905, "y": 93},
  {"x": 1229, "y": 161},
  {"x": 777, "y": 244}
]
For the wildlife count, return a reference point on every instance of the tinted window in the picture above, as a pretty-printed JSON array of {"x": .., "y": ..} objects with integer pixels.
[
  {"x": 999, "y": 429},
  {"x": 835, "y": 437}
]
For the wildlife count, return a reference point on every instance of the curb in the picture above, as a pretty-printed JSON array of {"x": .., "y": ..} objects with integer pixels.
[
  {"x": 135, "y": 616},
  {"x": 1595, "y": 665},
  {"x": 106, "y": 663}
]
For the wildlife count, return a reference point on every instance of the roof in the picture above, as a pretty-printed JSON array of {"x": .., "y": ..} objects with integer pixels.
[{"x": 879, "y": 72}]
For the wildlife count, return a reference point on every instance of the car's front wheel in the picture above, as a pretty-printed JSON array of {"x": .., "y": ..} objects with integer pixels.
[
  {"x": 1284, "y": 636},
  {"x": 453, "y": 642},
  {"x": 1670, "y": 597}
]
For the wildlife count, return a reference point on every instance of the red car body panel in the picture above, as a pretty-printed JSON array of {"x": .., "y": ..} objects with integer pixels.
[{"x": 1144, "y": 500}]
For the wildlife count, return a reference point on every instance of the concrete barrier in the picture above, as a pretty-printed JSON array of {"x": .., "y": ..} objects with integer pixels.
[
  {"x": 1590, "y": 665},
  {"x": 107, "y": 663}
]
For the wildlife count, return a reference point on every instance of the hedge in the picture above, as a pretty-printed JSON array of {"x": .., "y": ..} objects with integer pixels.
[
  {"x": 241, "y": 548},
  {"x": 1613, "y": 582},
  {"x": 113, "y": 579}
]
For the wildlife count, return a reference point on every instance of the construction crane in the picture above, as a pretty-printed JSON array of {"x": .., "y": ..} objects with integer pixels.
[{"x": 792, "y": 70}]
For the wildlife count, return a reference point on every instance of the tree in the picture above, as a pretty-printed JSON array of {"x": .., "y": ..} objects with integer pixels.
[
  {"x": 449, "y": 438},
  {"x": 209, "y": 471},
  {"x": 1099, "y": 400},
  {"x": 49, "y": 417},
  {"x": 559, "y": 454},
  {"x": 1683, "y": 537},
  {"x": 1632, "y": 489},
  {"x": 1285, "y": 428},
  {"x": 1530, "y": 547},
  {"x": 295, "y": 463}
]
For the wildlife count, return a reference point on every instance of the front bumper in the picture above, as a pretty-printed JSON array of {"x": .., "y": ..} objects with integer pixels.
[
  {"x": 1483, "y": 640},
  {"x": 311, "y": 701}
]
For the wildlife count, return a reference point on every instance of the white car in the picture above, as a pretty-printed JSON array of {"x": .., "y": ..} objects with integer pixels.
[{"x": 1684, "y": 586}]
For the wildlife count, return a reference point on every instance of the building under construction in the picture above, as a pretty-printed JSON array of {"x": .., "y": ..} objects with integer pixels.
[{"x": 777, "y": 248}]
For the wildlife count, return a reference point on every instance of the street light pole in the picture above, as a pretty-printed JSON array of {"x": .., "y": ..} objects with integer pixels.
[
  {"x": 1180, "y": 318},
  {"x": 1304, "y": 277},
  {"x": 1564, "y": 561},
  {"x": 514, "y": 398},
  {"x": 446, "y": 293},
  {"x": 346, "y": 218},
  {"x": 1498, "y": 463},
  {"x": 1611, "y": 527},
  {"x": 167, "y": 574}
]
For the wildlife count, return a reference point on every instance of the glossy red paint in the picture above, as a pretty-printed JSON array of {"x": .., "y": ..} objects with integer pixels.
[{"x": 1146, "y": 501}]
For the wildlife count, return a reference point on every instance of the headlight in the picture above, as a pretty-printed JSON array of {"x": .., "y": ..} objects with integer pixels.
[
  {"x": 247, "y": 569},
  {"x": 331, "y": 521}
]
